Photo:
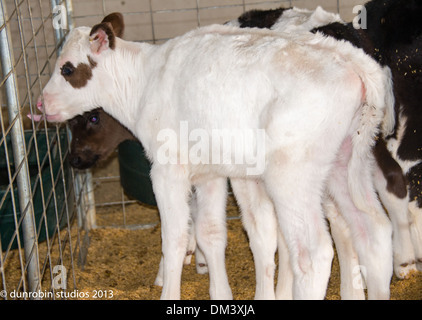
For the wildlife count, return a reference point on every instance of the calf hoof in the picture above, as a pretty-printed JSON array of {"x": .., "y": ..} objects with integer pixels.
[
  {"x": 419, "y": 264},
  {"x": 188, "y": 258},
  {"x": 201, "y": 268},
  {"x": 159, "y": 281},
  {"x": 404, "y": 270}
]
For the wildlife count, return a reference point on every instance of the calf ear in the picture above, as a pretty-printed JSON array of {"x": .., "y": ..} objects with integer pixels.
[
  {"x": 102, "y": 37},
  {"x": 116, "y": 20}
]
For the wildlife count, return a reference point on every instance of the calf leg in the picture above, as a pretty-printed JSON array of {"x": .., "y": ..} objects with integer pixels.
[
  {"x": 371, "y": 229},
  {"x": 371, "y": 234},
  {"x": 397, "y": 208},
  {"x": 171, "y": 188},
  {"x": 284, "y": 289},
  {"x": 200, "y": 262},
  {"x": 351, "y": 284},
  {"x": 191, "y": 242},
  {"x": 416, "y": 231},
  {"x": 259, "y": 220},
  {"x": 295, "y": 189},
  {"x": 414, "y": 177},
  {"x": 211, "y": 233},
  {"x": 201, "y": 266}
]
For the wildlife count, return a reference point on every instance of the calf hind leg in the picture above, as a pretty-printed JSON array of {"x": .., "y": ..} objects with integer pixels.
[
  {"x": 351, "y": 287},
  {"x": 200, "y": 262},
  {"x": 284, "y": 289},
  {"x": 298, "y": 206},
  {"x": 370, "y": 229},
  {"x": 259, "y": 220},
  {"x": 211, "y": 233}
]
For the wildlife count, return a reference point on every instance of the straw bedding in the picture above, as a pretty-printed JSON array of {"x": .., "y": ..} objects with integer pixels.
[{"x": 126, "y": 262}]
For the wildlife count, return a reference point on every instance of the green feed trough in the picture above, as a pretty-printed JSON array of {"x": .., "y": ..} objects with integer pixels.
[
  {"x": 135, "y": 172},
  {"x": 49, "y": 202}
]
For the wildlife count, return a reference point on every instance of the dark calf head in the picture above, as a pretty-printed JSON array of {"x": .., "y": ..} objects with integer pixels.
[{"x": 95, "y": 135}]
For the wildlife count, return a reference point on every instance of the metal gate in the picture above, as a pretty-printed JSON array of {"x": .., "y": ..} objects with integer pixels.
[{"x": 42, "y": 200}]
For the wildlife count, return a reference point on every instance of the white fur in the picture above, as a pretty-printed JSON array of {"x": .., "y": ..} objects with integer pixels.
[{"x": 303, "y": 20}]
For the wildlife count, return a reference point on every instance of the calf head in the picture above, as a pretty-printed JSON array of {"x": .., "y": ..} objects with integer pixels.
[
  {"x": 71, "y": 89},
  {"x": 95, "y": 135}
]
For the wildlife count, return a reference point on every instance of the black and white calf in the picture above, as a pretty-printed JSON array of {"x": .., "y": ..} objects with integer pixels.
[
  {"x": 225, "y": 78},
  {"x": 398, "y": 39},
  {"x": 394, "y": 38}
]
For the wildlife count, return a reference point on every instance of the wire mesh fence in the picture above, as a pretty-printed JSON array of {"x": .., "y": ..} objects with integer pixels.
[{"x": 42, "y": 204}]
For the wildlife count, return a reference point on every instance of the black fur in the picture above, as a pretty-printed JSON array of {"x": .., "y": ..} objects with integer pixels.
[
  {"x": 260, "y": 18},
  {"x": 396, "y": 182},
  {"x": 414, "y": 176},
  {"x": 347, "y": 32},
  {"x": 402, "y": 52}
]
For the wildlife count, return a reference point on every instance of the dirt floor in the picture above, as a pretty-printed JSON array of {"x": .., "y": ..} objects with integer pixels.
[{"x": 125, "y": 262}]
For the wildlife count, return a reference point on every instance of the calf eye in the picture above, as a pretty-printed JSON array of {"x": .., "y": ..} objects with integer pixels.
[
  {"x": 67, "y": 69},
  {"x": 94, "y": 119}
]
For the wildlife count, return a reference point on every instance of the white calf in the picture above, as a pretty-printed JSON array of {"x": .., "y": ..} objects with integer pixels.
[{"x": 313, "y": 96}]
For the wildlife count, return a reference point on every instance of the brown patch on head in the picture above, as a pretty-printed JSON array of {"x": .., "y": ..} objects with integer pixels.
[{"x": 78, "y": 77}]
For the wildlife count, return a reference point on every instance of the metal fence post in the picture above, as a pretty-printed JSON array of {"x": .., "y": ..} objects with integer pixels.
[
  {"x": 19, "y": 155},
  {"x": 83, "y": 181}
]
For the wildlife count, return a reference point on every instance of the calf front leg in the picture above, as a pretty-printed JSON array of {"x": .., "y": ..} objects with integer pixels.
[{"x": 171, "y": 188}]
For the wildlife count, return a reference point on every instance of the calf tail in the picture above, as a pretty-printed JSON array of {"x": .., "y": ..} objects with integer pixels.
[{"x": 376, "y": 115}]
